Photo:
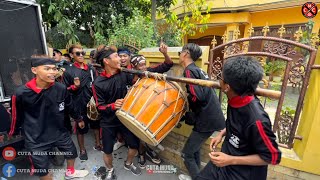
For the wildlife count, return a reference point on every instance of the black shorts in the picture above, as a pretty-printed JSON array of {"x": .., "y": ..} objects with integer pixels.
[
  {"x": 88, "y": 122},
  {"x": 39, "y": 157},
  {"x": 109, "y": 136}
]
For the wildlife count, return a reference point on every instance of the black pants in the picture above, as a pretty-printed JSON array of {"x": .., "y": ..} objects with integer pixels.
[
  {"x": 191, "y": 151},
  {"x": 109, "y": 135},
  {"x": 209, "y": 172}
]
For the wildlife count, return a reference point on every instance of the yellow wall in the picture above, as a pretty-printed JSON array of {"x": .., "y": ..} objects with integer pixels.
[
  {"x": 153, "y": 56},
  {"x": 223, "y": 18},
  {"x": 229, "y": 5},
  {"x": 307, "y": 150},
  {"x": 278, "y": 17},
  {"x": 217, "y": 31},
  {"x": 218, "y": 23}
]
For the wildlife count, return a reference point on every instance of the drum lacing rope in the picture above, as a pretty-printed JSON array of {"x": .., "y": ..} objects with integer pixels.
[
  {"x": 157, "y": 76},
  {"x": 146, "y": 74},
  {"x": 160, "y": 77},
  {"x": 177, "y": 100},
  {"x": 164, "y": 77}
]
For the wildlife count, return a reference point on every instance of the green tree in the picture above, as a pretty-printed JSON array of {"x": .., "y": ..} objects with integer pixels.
[
  {"x": 138, "y": 30},
  {"x": 91, "y": 16},
  {"x": 195, "y": 11}
]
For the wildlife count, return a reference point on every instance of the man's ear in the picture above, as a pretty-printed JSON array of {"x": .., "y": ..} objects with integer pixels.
[
  {"x": 71, "y": 55},
  {"x": 227, "y": 88},
  {"x": 34, "y": 70},
  {"x": 105, "y": 60}
]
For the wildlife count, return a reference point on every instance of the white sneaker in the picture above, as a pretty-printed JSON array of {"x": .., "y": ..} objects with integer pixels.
[
  {"x": 77, "y": 174},
  {"x": 117, "y": 145},
  {"x": 184, "y": 177}
]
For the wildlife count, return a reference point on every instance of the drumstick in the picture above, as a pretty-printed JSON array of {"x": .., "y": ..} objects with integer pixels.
[{"x": 208, "y": 83}]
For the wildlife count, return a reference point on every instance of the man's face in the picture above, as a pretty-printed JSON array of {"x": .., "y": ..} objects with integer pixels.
[
  {"x": 223, "y": 85},
  {"x": 57, "y": 56},
  {"x": 125, "y": 59},
  {"x": 183, "y": 55},
  {"x": 45, "y": 73},
  {"x": 78, "y": 55},
  {"x": 141, "y": 66},
  {"x": 67, "y": 58},
  {"x": 113, "y": 61}
]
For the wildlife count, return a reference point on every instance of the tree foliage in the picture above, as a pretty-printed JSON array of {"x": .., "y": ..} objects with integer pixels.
[
  {"x": 137, "y": 30},
  {"x": 56, "y": 39},
  {"x": 194, "y": 12},
  {"x": 92, "y": 16},
  {"x": 145, "y": 5},
  {"x": 102, "y": 18}
]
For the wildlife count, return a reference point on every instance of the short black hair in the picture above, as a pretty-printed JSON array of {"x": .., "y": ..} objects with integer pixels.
[
  {"x": 102, "y": 52},
  {"x": 57, "y": 51},
  {"x": 67, "y": 55},
  {"x": 73, "y": 46},
  {"x": 194, "y": 50},
  {"x": 243, "y": 74},
  {"x": 124, "y": 50},
  {"x": 92, "y": 53}
]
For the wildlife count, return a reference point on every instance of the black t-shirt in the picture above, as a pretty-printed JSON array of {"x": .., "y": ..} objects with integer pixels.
[
  {"x": 248, "y": 131},
  {"x": 106, "y": 90},
  {"x": 40, "y": 113},
  {"x": 204, "y": 102},
  {"x": 81, "y": 95},
  {"x": 161, "y": 68}
]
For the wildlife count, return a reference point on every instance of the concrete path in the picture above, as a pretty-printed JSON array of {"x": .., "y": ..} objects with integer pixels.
[{"x": 96, "y": 159}]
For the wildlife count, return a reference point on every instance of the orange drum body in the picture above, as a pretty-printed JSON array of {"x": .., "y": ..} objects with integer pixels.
[{"x": 152, "y": 108}]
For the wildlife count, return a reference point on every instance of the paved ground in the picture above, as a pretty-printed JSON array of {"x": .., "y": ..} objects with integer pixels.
[{"x": 95, "y": 159}]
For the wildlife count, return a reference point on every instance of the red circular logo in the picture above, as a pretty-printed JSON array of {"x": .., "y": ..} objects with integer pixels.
[
  {"x": 309, "y": 10},
  {"x": 9, "y": 153}
]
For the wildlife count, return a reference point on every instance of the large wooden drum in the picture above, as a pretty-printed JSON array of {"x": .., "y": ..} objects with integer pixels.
[{"x": 152, "y": 108}]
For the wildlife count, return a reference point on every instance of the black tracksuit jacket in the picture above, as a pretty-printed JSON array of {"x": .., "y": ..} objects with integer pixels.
[
  {"x": 106, "y": 90},
  {"x": 83, "y": 94},
  {"x": 40, "y": 113},
  {"x": 248, "y": 131},
  {"x": 161, "y": 68},
  {"x": 203, "y": 102}
]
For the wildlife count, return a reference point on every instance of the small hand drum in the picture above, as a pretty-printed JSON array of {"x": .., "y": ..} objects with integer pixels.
[
  {"x": 92, "y": 111},
  {"x": 152, "y": 108}
]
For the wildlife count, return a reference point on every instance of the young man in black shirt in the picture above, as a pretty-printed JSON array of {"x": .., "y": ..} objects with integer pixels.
[
  {"x": 78, "y": 78},
  {"x": 125, "y": 57},
  {"x": 38, "y": 108},
  {"x": 206, "y": 115},
  {"x": 62, "y": 65},
  {"x": 61, "y": 60},
  {"x": 109, "y": 89},
  {"x": 249, "y": 145}
]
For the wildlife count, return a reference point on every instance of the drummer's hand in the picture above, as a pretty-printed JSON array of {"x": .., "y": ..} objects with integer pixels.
[
  {"x": 76, "y": 82},
  {"x": 214, "y": 142},
  {"x": 163, "y": 48},
  {"x": 81, "y": 124},
  {"x": 118, "y": 103}
]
